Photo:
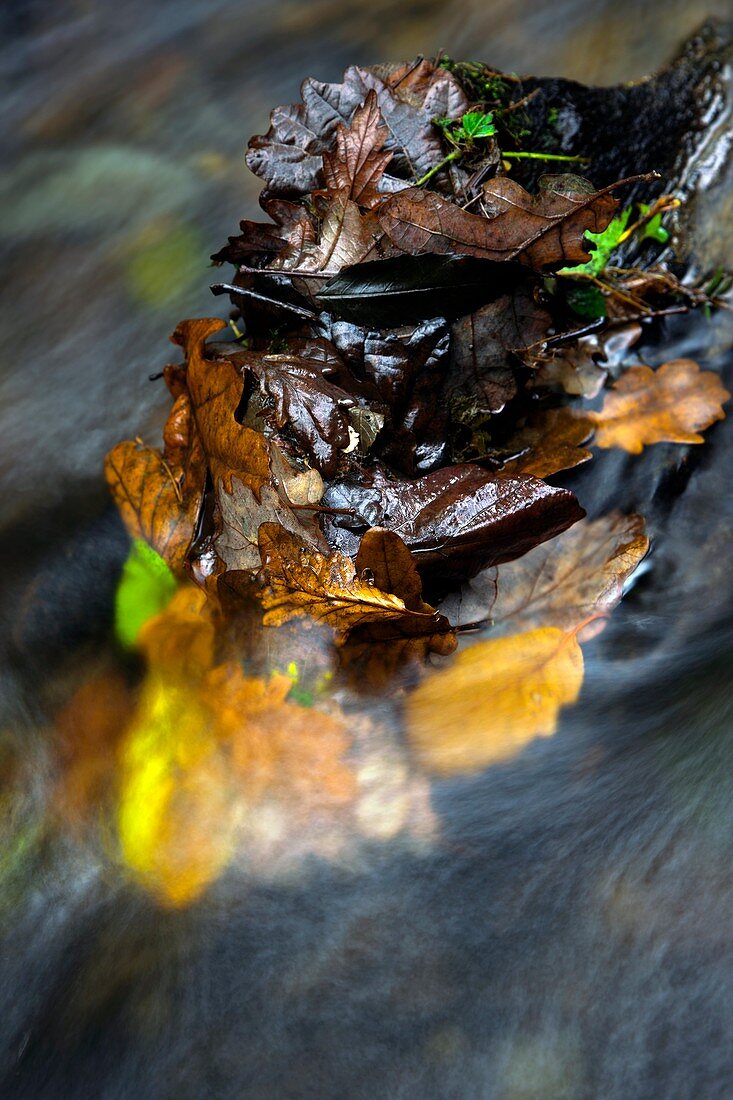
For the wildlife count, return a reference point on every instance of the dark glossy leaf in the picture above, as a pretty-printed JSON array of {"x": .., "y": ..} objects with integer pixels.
[
  {"x": 316, "y": 411},
  {"x": 483, "y": 375},
  {"x": 404, "y": 289},
  {"x": 456, "y": 520}
]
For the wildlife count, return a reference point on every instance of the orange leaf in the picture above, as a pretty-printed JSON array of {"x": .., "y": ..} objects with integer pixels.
[
  {"x": 672, "y": 404},
  {"x": 551, "y": 442},
  {"x": 302, "y": 581},
  {"x": 495, "y": 698},
  {"x": 216, "y": 387}
]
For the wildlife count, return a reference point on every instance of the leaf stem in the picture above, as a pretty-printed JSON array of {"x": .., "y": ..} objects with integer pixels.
[
  {"x": 455, "y": 154},
  {"x": 545, "y": 156}
]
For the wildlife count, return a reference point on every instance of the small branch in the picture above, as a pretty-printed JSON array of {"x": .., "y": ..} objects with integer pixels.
[
  {"x": 455, "y": 154},
  {"x": 546, "y": 156}
]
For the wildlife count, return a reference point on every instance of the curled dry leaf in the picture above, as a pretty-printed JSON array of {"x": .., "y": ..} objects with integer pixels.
[
  {"x": 672, "y": 404},
  {"x": 494, "y": 699},
  {"x": 550, "y": 442},
  {"x": 575, "y": 577},
  {"x": 302, "y": 581},
  {"x": 541, "y": 230}
]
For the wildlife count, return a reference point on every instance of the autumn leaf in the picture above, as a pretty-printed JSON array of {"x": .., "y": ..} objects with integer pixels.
[
  {"x": 216, "y": 387},
  {"x": 456, "y": 519},
  {"x": 495, "y": 698},
  {"x": 155, "y": 504},
  {"x": 317, "y": 411},
  {"x": 539, "y": 230},
  {"x": 549, "y": 442},
  {"x": 289, "y": 156},
  {"x": 672, "y": 404},
  {"x": 575, "y": 577},
  {"x": 483, "y": 375},
  {"x": 240, "y": 515},
  {"x": 357, "y": 163},
  {"x": 206, "y": 743},
  {"x": 301, "y": 581},
  {"x": 290, "y": 233},
  {"x": 376, "y": 652}
]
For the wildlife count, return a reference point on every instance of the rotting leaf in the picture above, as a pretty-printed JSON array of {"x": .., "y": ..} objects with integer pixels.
[
  {"x": 574, "y": 578},
  {"x": 549, "y": 442},
  {"x": 483, "y": 375},
  {"x": 539, "y": 230},
  {"x": 494, "y": 699}
]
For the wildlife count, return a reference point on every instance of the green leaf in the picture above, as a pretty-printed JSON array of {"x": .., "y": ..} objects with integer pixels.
[
  {"x": 605, "y": 243},
  {"x": 145, "y": 588},
  {"x": 586, "y": 301},
  {"x": 653, "y": 230},
  {"x": 477, "y": 124}
]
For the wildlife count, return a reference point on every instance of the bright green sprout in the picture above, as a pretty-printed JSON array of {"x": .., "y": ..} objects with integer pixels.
[
  {"x": 474, "y": 126},
  {"x": 605, "y": 243},
  {"x": 145, "y": 588}
]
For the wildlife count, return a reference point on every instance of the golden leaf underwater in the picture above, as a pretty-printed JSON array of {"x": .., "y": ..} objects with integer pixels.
[
  {"x": 494, "y": 699},
  {"x": 672, "y": 404}
]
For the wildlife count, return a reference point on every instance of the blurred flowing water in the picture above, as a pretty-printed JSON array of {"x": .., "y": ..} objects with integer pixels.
[{"x": 559, "y": 926}]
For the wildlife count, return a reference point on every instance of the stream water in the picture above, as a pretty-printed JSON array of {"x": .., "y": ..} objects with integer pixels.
[{"x": 557, "y": 927}]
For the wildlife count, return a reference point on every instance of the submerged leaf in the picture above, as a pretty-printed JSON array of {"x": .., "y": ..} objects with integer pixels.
[
  {"x": 671, "y": 404},
  {"x": 550, "y": 442},
  {"x": 575, "y": 577},
  {"x": 494, "y": 699},
  {"x": 145, "y": 587}
]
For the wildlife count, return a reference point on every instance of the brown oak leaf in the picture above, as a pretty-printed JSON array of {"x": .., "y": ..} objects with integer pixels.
[
  {"x": 455, "y": 520},
  {"x": 539, "y": 230},
  {"x": 575, "y": 577},
  {"x": 357, "y": 163},
  {"x": 302, "y": 581},
  {"x": 316, "y": 410},
  {"x": 549, "y": 442},
  {"x": 672, "y": 404}
]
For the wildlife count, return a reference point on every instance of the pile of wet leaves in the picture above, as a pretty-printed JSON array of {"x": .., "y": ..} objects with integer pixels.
[{"x": 354, "y": 470}]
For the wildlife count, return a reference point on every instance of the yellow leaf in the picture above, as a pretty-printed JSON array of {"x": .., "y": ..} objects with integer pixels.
[
  {"x": 495, "y": 698},
  {"x": 672, "y": 404}
]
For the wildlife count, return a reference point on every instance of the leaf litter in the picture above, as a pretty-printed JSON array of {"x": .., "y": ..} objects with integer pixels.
[{"x": 357, "y": 467}]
